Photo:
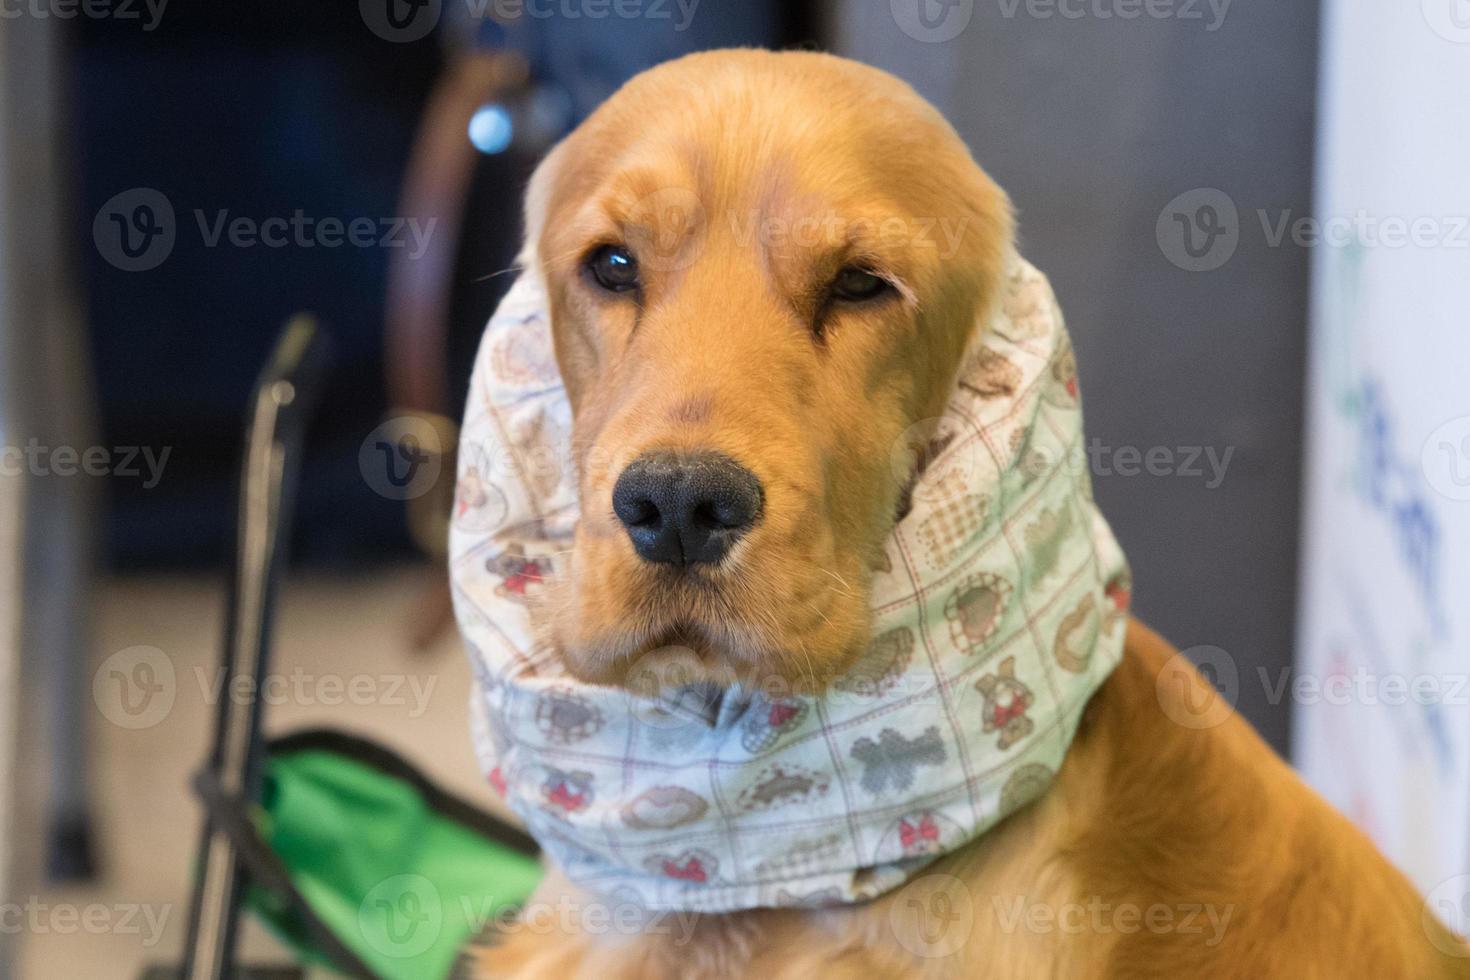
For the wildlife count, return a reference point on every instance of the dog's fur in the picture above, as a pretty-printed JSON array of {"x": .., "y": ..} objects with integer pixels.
[{"x": 1173, "y": 842}]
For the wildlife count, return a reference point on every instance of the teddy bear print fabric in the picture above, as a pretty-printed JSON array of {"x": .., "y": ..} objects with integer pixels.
[{"x": 998, "y": 612}]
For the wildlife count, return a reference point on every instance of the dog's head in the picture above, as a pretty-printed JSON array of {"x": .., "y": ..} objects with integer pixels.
[{"x": 762, "y": 272}]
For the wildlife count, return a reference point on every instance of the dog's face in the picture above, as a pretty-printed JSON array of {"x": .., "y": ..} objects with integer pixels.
[{"x": 763, "y": 270}]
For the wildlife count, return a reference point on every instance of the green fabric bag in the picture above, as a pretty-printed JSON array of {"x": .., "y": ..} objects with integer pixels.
[{"x": 361, "y": 864}]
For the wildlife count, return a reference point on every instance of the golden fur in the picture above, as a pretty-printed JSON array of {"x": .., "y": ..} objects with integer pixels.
[
  {"x": 744, "y": 181},
  {"x": 1173, "y": 843}
]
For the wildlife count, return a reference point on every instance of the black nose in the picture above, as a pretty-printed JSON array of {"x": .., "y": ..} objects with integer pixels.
[{"x": 686, "y": 509}]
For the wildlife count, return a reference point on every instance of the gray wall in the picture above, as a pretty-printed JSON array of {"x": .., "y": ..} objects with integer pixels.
[{"x": 1094, "y": 124}]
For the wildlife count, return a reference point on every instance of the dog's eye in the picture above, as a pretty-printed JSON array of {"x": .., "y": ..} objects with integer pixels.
[
  {"x": 614, "y": 268},
  {"x": 856, "y": 284}
]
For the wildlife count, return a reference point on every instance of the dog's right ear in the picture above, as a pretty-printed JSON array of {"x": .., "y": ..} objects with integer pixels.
[
  {"x": 538, "y": 202},
  {"x": 547, "y": 191}
]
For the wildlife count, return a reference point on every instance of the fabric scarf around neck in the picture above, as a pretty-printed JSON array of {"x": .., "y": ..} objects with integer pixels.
[{"x": 998, "y": 612}]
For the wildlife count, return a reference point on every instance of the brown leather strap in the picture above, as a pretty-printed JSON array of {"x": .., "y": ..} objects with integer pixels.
[
  {"x": 437, "y": 187},
  {"x": 420, "y": 290}
]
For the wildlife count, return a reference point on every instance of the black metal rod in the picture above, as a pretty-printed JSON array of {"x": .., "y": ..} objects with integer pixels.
[{"x": 284, "y": 397}]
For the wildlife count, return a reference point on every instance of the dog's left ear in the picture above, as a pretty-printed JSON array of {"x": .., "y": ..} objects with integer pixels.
[
  {"x": 994, "y": 242},
  {"x": 964, "y": 288}
]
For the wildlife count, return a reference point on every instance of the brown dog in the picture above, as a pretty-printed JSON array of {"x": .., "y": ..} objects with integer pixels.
[{"x": 771, "y": 264}]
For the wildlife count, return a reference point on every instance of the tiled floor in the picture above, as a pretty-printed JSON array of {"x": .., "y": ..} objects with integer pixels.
[{"x": 335, "y": 636}]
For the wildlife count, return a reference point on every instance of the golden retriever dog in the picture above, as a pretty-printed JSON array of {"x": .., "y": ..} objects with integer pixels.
[{"x": 778, "y": 259}]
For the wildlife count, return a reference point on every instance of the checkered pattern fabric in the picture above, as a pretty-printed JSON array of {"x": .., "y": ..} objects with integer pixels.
[{"x": 998, "y": 614}]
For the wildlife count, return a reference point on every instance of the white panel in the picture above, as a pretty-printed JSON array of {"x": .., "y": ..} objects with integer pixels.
[{"x": 1383, "y": 686}]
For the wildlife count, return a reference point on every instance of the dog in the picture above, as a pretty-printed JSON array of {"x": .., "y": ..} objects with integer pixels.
[{"x": 762, "y": 271}]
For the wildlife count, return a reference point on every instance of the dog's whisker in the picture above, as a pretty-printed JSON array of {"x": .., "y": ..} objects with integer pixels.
[
  {"x": 495, "y": 275},
  {"x": 823, "y": 616},
  {"x": 847, "y": 590},
  {"x": 827, "y": 571}
]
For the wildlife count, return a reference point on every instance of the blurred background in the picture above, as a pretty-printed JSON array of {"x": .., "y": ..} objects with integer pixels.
[{"x": 1255, "y": 216}]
